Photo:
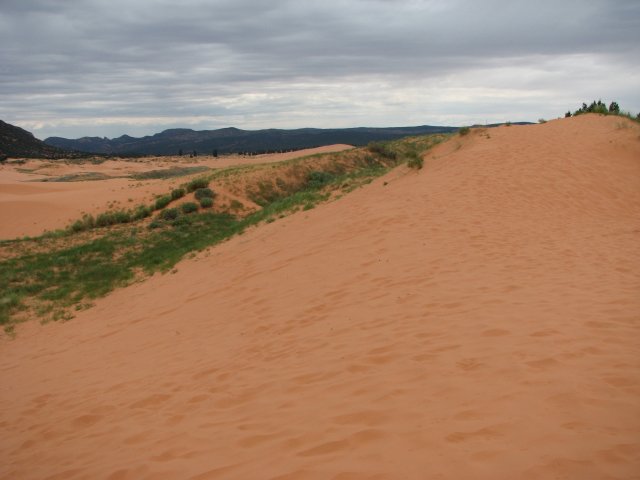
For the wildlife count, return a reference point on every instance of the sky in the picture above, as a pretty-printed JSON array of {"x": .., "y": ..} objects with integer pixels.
[{"x": 79, "y": 68}]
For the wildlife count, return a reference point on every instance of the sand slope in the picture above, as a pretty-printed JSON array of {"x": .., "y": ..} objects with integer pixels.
[{"x": 479, "y": 319}]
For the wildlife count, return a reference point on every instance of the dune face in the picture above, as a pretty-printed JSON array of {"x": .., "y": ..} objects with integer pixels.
[{"x": 478, "y": 319}]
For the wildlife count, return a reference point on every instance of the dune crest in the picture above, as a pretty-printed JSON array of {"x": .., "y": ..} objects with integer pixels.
[{"x": 477, "y": 319}]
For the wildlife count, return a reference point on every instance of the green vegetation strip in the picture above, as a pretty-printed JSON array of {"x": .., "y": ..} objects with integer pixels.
[
  {"x": 169, "y": 173},
  {"x": 49, "y": 281}
]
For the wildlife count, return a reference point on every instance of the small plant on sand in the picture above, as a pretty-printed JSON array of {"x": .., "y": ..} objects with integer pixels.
[
  {"x": 414, "y": 160},
  {"x": 189, "y": 207},
  {"x": 140, "y": 212},
  {"x": 206, "y": 202},
  {"x": 464, "y": 131},
  {"x": 204, "y": 192},
  {"x": 162, "y": 202},
  {"x": 177, "y": 193},
  {"x": 169, "y": 214},
  {"x": 197, "y": 183},
  {"x": 87, "y": 222}
]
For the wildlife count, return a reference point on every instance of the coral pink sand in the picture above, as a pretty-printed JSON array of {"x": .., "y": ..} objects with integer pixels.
[{"x": 478, "y": 319}]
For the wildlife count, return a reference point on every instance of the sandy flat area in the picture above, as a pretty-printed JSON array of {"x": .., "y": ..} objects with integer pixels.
[
  {"x": 478, "y": 319},
  {"x": 29, "y": 206}
]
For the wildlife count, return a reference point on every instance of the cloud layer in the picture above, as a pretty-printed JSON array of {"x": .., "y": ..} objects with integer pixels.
[{"x": 96, "y": 67}]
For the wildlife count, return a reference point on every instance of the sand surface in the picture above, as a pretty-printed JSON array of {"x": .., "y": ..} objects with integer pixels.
[
  {"x": 29, "y": 206},
  {"x": 478, "y": 319}
]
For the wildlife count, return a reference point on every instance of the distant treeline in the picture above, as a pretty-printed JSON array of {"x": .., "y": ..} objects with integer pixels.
[{"x": 601, "y": 107}]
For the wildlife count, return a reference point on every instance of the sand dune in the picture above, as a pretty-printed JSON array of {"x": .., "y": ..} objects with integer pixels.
[
  {"x": 30, "y": 207},
  {"x": 478, "y": 319}
]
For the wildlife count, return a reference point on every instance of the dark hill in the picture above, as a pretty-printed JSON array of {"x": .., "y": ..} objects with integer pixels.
[
  {"x": 16, "y": 142},
  {"x": 233, "y": 140}
]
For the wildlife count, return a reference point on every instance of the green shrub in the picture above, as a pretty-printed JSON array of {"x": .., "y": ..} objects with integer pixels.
[
  {"x": 204, "y": 192},
  {"x": 87, "y": 222},
  {"x": 121, "y": 216},
  {"x": 197, "y": 183},
  {"x": 189, "y": 207},
  {"x": 155, "y": 224},
  {"x": 318, "y": 179},
  {"x": 177, "y": 193},
  {"x": 169, "y": 214},
  {"x": 414, "y": 160},
  {"x": 140, "y": 212},
  {"x": 206, "y": 202},
  {"x": 162, "y": 202},
  {"x": 382, "y": 149},
  {"x": 105, "y": 219},
  {"x": 464, "y": 131}
]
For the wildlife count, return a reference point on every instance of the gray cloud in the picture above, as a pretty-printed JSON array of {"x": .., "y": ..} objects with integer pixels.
[{"x": 110, "y": 67}]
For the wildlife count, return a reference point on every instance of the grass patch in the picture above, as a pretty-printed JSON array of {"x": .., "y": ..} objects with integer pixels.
[
  {"x": 168, "y": 173},
  {"x": 197, "y": 183}
]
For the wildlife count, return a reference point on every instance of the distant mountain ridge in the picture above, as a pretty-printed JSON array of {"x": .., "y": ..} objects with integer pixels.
[
  {"x": 17, "y": 142},
  {"x": 234, "y": 140}
]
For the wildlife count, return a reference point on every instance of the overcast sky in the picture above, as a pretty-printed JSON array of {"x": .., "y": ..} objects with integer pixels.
[{"x": 109, "y": 67}]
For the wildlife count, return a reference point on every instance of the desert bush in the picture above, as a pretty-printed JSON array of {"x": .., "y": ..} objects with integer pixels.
[
  {"x": 155, "y": 224},
  {"x": 382, "y": 149},
  {"x": 162, "y": 202},
  {"x": 204, "y": 192},
  {"x": 206, "y": 202},
  {"x": 87, "y": 222},
  {"x": 169, "y": 214},
  {"x": 414, "y": 160},
  {"x": 177, "y": 193},
  {"x": 121, "y": 216},
  {"x": 542, "y": 120},
  {"x": 105, "y": 219},
  {"x": 189, "y": 207},
  {"x": 318, "y": 179},
  {"x": 140, "y": 212},
  {"x": 197, "y": 183},
  {"x": 464, "y": 131}
]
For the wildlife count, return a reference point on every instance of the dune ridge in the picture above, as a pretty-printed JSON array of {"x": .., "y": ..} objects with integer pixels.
[{"x": 477, "y": 319}]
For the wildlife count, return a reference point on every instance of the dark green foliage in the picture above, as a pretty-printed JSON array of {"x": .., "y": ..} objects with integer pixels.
[
  {"x": 464, "y": 131},
  {"x": 206, "y": 202},
  {"x": 601, "y": 108},
  {"x": 319, "y": 179},
  {"x": 140, "y": 212},
  {"x": 177, "y": 193},
  {"x": 204, "y": 192},
  {"x": 382, "y": 149},
  {"x": 189, "y": 207},
  {"x": 567, "y": 115},
  {"x": 162, "y": 202},
  {"x": 169, "y": 214},
  {"x": 197, "y": 183}
]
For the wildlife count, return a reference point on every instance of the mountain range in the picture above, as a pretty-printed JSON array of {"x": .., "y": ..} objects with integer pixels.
[{"x": 234, "y": 140}]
